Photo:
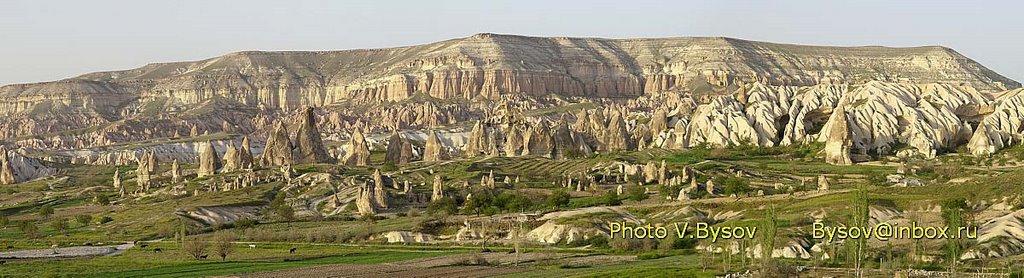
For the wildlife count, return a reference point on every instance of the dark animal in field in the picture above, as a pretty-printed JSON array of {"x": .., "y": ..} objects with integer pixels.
[
  {"x": 292, "y": 251},
  {"x": 203, "y": 257},
  {"x": 9, "y": 247},
  {"x": 88, "y": 244},
  {"x": 3, "y": 262},
  {"x": 157, "y": 250},
  {"x": 145, "y": 245}
]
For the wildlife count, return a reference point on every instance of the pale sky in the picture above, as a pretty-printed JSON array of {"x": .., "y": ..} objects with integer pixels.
[{"x": 50, "y": 40}]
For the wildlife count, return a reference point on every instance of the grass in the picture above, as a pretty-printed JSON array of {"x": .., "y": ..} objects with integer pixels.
[{"x": 172, "y": 262}]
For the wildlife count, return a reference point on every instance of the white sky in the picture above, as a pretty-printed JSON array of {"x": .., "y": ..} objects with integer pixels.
[{"x": 49, "y": 40}]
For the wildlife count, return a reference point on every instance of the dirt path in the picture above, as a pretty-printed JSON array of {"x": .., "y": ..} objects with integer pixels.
[{"x": 67, "y": 252}]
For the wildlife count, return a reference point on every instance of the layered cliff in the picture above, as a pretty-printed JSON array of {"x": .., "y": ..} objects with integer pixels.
[
  {"x": 170, "y": 99},
  {"x": 485, "y": 65}
]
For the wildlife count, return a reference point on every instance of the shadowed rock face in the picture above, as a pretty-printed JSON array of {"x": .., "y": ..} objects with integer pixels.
[
  {"x": 309, "y": 147},
  {"x": 208, "y": 161},
  {"x": 480, "y": 66},
  {"x": 278, "y": 150}
]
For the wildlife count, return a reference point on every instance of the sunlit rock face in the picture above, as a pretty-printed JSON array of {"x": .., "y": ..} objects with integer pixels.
[
  {"x": 481, "y": 66},
  {"x": 879, "y": 116}
]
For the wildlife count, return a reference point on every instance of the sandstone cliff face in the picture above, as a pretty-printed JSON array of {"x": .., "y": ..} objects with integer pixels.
[
  {"x": 927, "y": 118},
  {"x": 481, "y": 66},
  {"x": 1001, "y": 128}
]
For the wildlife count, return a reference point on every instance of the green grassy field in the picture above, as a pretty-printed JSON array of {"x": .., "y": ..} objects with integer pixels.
[{"x": 173, "y": 262}]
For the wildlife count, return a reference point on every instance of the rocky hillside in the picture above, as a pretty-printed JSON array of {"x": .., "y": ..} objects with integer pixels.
[
  {"x": 225, "y": 92},
  {"x": 488, "y": 64}
]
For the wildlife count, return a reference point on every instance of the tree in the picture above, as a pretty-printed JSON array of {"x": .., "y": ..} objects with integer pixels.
[
  {"x": 224, "y": 244},
  {"x": 60, "y": 225},
  {"x": 443, "y": 206},
  {"x": 478, "y": 202},
  {"x": 733, "y": 185},
  {"x": 194, "y": 248},
  {"x": 83, "y": 219},
  {"x": 558, "y": 199},
  {"x": 611, "y": 198},
  {"x": 636, "y": 193},
  {"x": 860, "y": 219},
  {"x": 46, "y": 211},
  {"x": 281, "y": 208},
  {"x": 286, "y": 212},
  {"x": 29, "y": 229},
  {"x": 952, "y": 215},
  {"x": 769, "y": 227}
]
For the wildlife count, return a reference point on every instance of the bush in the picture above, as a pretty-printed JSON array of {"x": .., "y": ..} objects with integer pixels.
[
  {"x": 45, "y": 211},
  {"x": 101, "y": 199},
  {"x": 29, "y": 230},
  {"x": 558, "y": 199},
  {"x": 636, "y": 193},
  {"x": 632, "y": 244},
  {"x": 244, "y": 223},
  {"x": 733, "y": 185},
  {"x": 83, "y": 219},
  {"x": 60, "y": 225},
  {"x": 611, "y": 198},
  {"x": 106, "y": 219}
]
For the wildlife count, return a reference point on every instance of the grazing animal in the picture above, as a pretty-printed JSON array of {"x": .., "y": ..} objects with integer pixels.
[
  {"x": 203, "y": 257},
  {"x": 252, "y": 246},
  {"x": 292, "y": 251},
  {"x": 157, "y": 250},
  {"x": 88, "y": 244},
  {"x": 3, "y": 262},
  {"x": 9, "y": 247},
  {"x": 145, "y": 245}
]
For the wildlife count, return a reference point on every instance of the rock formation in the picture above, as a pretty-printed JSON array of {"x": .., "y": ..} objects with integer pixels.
[
  {"x": 380, "y": 197},
  {"x": 309, "y": 148},
  {"x": 117, "y": 179},
  {"x": 365, "y": 199},
  {"x": 433, "y": 149},
  {"x": 438, "y": 192},
  {"x": 278, "y": 150},
  {"x": 399, "y": 150},
  {"x": 208, "y": 161},
  {"x": 232, "y": 158},
  {"x": 616, "y": 138},
  {"x": 1001, "y": 128},
  {"x": 837, "y": 147},
  {"x": 245, "y": 154},
  {"x": 175, "y": 172},
  {"x": 513, "y": 142},
  {"x": 6, "y": 170},
  {"x": 823, "y": 184},
  {"x": 538, "y": 142},
  {"x": 146, "y": 171},
  {"x": 358, "y": 150}
]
